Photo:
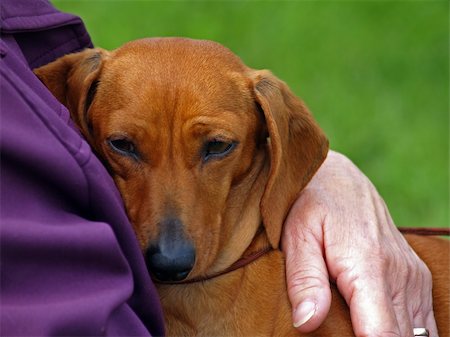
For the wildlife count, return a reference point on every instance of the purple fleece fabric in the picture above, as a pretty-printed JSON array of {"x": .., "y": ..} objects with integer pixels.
[{"x": 70, "y": 263}]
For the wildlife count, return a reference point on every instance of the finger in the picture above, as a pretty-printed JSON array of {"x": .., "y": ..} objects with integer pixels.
[
  {"x": 421, "y": 301},
  {"x": 426, "y": 305},
  {"x": 424, "y": 316},
  {"x": 307, "y": 279},
  {"x": 430, "y": 324},
  {"x": 404, "y": 318},
  {"x": 419, "y": 321},
  {"x": 371, "y": 308}
]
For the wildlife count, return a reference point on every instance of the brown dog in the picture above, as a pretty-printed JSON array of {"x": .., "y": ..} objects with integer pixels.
[{"x": 208, "y": 155}]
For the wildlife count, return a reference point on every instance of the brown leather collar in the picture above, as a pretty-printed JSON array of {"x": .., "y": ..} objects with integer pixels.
[{"x": 425, "y": 231}]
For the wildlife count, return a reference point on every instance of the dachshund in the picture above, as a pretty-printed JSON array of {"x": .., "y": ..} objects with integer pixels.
[{"x": 209, "y": 155}]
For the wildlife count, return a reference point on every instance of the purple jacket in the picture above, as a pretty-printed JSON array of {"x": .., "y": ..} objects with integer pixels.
[{"x": 70, "y": 264}]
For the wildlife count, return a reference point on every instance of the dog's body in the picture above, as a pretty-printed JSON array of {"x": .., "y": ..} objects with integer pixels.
[
  {"x": 253, "y": 301},
  {"x": 208, "y": 155}
]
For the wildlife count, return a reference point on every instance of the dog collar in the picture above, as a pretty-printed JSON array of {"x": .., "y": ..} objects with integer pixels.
[{"x": 425, "y": 231}]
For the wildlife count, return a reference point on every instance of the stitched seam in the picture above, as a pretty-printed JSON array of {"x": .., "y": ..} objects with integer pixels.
[
  {"x": 30, "y": 16},
  {"x": 39, "y": 16}
]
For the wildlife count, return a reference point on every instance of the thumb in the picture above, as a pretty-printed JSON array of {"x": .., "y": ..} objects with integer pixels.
[{"x": 307, "y": 276}]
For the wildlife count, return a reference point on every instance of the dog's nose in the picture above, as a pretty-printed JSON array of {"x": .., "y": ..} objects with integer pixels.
[
  {"x": 170, "y": 265},
  {"x": 171, "y": 256}
]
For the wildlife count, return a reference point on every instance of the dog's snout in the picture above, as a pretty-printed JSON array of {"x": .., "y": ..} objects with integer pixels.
[
  {"x": 171, "y": 256},
  {"x": 173, "y": 265}
]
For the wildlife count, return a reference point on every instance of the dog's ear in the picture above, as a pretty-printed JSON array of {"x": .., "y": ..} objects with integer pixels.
[
  {"x": 297, "y": 147},
  {"x": 73, "y": 80}
]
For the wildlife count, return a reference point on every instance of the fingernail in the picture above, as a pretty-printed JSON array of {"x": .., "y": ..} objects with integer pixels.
[{"x": 303, "y": 313}]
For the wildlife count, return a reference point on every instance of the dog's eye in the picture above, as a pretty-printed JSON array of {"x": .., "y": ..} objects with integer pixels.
[
  {"x": 123, "y": 146},
  {"x": 217, "y": 148}
]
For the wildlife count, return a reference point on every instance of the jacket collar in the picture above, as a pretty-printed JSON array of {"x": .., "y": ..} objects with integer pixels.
[
  {"x": 20, "y": 16},
  {"x": 45, "y": 32}
]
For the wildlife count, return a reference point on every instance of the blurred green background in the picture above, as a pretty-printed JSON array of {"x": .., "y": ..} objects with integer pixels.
[{"x": 374, "y": 73}]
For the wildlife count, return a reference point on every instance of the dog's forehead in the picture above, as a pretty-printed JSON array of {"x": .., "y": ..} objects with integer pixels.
[
  {"x": 176, "y": 74},
  {"x": 181, "y": 53},
  {"x": 174, "y": 62}
]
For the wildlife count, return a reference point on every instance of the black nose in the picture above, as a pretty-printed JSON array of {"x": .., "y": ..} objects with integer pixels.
[
  {"x": 170, "y": 265},
  {"x": 171, "y": 256}
]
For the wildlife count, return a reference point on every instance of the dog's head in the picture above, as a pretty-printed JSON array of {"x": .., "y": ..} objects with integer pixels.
[{"x": 202, "y": 148}]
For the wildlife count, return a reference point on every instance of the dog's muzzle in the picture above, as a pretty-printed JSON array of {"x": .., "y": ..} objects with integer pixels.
[{"x": 171, "y": 256}]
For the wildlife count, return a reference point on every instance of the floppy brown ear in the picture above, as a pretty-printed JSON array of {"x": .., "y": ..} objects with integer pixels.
[
  {"x": 73, "y": 80},
  {"x": 297, "y": 148}
]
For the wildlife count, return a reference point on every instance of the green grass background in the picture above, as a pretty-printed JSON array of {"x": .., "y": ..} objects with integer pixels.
[{"x": 374, "y": 73}]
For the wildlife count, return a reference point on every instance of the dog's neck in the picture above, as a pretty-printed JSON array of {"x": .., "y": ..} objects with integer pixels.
[
  {"x": 259, "y": 246},
  {"x": 244, "y": 243}
]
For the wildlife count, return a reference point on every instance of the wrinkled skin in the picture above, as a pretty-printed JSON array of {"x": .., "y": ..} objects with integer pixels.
[{"x": 322, "y": 241}]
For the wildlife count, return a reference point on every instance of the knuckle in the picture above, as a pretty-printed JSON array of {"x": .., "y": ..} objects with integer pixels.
[
  {"x": 302, "y": 281},
  {"x": 374, "y": 268}
]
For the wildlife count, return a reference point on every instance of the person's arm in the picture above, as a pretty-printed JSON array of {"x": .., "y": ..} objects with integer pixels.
[
  {"x": 340, "y": 229},
  {"x": 70, "y": 263}
]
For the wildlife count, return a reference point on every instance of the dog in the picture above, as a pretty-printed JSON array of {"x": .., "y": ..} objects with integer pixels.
[{"x": 209, "y": 155}]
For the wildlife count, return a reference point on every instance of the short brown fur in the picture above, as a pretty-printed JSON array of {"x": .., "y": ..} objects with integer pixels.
[{"x": 170, "y": 96}]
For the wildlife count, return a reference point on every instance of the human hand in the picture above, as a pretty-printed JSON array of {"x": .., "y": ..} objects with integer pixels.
[{"x": 340, "y": 229}]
